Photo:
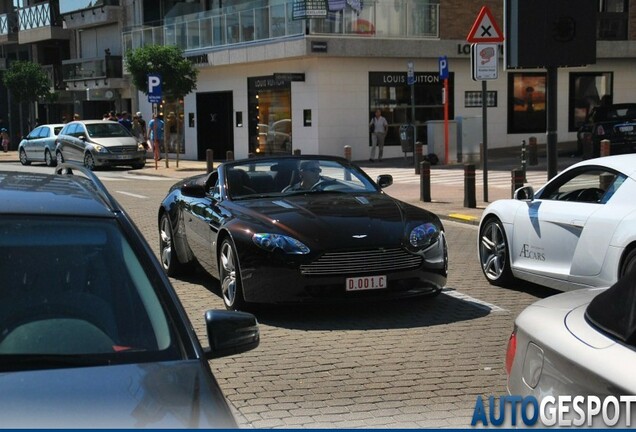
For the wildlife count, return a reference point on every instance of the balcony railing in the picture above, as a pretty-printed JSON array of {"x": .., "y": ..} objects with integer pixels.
[
  {"x": 93, "y": 68},
  {"x": 54, "y": 72},
  {"x": 212, "y": 29},
  {"x": 8, "y": 24},
  {"x": 39, "y": 15}
]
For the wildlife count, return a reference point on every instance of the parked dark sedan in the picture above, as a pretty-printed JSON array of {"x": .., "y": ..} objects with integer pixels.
[
  {"x": 616, "y": 123},
  {"x": 92, "y": 334},
  {"x": 301, "y": 229}
]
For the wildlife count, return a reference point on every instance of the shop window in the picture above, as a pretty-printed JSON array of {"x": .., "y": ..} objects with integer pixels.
[
  {"x": 587, "y": 90},
  {"x": 390, "y": 92},
  {"x": 270, "y": 115},
  {"x": 527, "y": 102}
]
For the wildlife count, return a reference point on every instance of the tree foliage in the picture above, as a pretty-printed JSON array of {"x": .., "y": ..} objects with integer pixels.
[
  {"x": 178, "y": 74},
  {"x": 27, "y": 81}
]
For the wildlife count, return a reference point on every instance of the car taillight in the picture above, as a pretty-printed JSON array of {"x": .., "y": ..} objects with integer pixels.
[
  {"x": 511, "y": 350},
  {"x": 600, "y": 131}
]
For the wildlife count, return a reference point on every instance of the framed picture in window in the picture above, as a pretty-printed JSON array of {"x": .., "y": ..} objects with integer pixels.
[{"x": 527, "y": 102}]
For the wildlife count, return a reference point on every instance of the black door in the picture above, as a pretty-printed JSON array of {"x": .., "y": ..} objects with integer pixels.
[{"x": 214, "y": 124}]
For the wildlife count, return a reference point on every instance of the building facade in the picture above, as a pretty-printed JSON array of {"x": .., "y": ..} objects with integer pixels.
[{"x": 278, "y": 76}]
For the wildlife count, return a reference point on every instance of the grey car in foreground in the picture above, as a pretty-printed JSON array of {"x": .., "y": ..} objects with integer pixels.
[
  {"x": 579, "y": 343},
  {"x": 99, "y": 143},
  {"x": 92, "y": 334},
  {"x": 39, "y": 145}
]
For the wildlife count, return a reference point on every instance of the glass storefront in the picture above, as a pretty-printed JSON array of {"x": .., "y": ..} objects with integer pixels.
[
  {"x": 269, "y": 115},
  {"x": 390, "y": 92},
  {"x": 587, "y": 90}
]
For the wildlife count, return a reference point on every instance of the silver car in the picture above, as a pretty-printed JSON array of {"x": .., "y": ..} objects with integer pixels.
[
  {"x": 99, "y": 143},
  {"x": 39, "y": 145},
  {"x": 580, "y": 343}
]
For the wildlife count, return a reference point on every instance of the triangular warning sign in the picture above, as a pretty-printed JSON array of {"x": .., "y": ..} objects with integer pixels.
[{"x": 485, "y": 28}]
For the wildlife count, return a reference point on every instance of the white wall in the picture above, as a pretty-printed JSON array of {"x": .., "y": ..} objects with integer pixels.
[{"x": 336, "y": 91}]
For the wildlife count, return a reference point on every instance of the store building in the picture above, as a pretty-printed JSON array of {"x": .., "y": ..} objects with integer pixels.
[{"x": 279, "y": 76}]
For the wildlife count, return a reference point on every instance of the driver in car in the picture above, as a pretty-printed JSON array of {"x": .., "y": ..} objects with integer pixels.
[{"x": 309, "y": 176}]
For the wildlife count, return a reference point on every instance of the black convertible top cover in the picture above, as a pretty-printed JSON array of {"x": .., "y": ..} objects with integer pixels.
[{"x": 614, "y": 310}]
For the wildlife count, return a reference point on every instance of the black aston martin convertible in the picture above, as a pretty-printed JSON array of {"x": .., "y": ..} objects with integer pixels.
[{"x": 301, "y": 229}]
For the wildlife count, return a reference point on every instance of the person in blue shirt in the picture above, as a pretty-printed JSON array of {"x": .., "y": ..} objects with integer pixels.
[
  {"x": 151, "y": 132},
  {"x": 151, "y": 129}
]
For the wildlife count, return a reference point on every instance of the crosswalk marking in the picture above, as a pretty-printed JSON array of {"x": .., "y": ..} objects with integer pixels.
[{"x": 498, "y": 179}]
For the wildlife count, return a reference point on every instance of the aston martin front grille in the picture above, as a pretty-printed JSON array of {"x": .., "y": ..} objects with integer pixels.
[{"x": 366, "y": 262}]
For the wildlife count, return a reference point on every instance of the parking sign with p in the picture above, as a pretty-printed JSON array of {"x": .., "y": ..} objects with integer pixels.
[{"x": 154, "y": 88}]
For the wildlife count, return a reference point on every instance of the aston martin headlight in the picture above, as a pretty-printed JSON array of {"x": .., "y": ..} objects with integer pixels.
[
  {"x": 424, "y": 235},
  {"x": 271, "y": 242}
]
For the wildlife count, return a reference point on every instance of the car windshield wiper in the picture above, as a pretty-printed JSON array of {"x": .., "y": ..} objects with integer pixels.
[{"x": 18, "y": 362}]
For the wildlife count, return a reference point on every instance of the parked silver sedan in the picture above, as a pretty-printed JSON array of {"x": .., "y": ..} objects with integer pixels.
[
  {"x": 99, "y": 143},
  {"x": 579, "y": 343},
  {"x": 39, "y": 145}
]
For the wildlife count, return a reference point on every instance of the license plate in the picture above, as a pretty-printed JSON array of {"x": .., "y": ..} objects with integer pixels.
[
  {"x": 365, "y": 283},
  {"x": 123, "y": 156},
  {"x": 626, "y": 128}
]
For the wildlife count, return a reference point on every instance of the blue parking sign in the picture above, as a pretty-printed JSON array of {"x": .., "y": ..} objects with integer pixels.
[
  {"x": 443, "y": 67},
  {"x": 154, "y": 88}
]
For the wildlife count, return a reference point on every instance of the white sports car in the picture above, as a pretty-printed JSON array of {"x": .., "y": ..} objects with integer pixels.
[
  {"x": 577, "y": 231},
  {"x": 579, "y": 344}
]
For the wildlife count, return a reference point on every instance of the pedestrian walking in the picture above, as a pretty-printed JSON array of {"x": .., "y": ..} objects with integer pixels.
[
  {"x": 155, "y": 140},
  {"x": 4, "y": 136},
  {"x": 379, "y": 127}
]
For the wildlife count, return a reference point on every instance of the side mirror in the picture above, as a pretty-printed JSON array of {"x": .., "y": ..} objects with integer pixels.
[
  {"x": 193, "y": 189},
  {"x": 384, "y": 180},
  {"x": 230, "y": 332},
  {"x": 525, "y": 193}
]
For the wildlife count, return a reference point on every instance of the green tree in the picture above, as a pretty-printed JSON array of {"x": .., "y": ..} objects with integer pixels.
[
  {"x": 27, "y": 83},
  {"x": 178, "y": 75}
]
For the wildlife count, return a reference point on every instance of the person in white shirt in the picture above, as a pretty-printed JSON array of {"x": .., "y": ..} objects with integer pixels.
[{"x": 380, "y": 128}]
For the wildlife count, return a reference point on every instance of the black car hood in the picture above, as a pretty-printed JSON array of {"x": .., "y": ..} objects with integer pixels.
[
  {"x": 150, "y": 395},
  {"x": 327, "y": 219}
]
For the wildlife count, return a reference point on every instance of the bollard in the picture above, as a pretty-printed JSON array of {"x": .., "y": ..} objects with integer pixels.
[
  {"x": 533, "y": 158},
  {"x": 296, "y": 152},
  {"x": 347, "y": 152},
  {"x": 209, "y": 160},
  {"x": 425, "y": 181},
  {"x": 229, "y": 155},
  {"x": 469, "y": 186},
  {"x": 518, "y": 176},
  {"x": 418, "y": 156},
  {"x": 605, "y": 147}
]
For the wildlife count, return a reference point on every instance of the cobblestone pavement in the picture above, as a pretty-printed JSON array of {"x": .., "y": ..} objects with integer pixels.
[{"x": 400, "y": 364}]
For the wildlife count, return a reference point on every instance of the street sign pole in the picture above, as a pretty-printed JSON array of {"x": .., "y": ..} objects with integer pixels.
[
  {"x": 484, "y": 67},
  {"x": 443, "y": 74},
  {"x": 410, "y": 78},
  {"x": 154, "y": 97},
  {"x": 484, "y": 134}
]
